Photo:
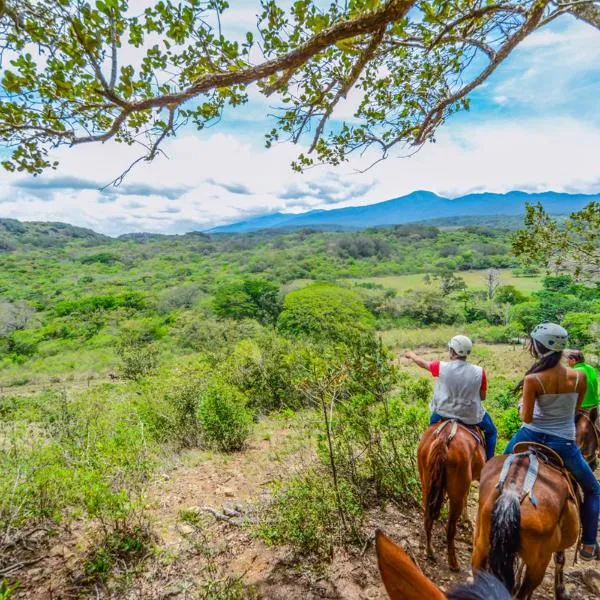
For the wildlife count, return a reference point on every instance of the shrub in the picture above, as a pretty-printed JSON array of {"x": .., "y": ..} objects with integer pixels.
[
  {"x": 223, "y": 416},
  {"x": 304, "y": 514},
  {"x": 325, "y": 312},
  {"x": 508, "y": 294},
  {"x": 249, "y": 299},
  {"x": 579, "y": 326},
  {"x": 266, "y": 370},
  {"x": 138, "y": 361},
  {"x": 427, "y": 307}
]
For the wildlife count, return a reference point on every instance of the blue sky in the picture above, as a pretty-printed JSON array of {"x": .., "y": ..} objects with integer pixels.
[{"x": 534, "y": 125}]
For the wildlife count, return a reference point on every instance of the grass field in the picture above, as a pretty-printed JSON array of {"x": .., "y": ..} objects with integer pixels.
[{"x": 475, "y": 280}]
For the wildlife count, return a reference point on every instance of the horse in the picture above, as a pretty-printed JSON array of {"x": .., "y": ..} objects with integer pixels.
[
  {"x": 403, "y": 580},
  {"x": 587, "y": 437},
  {"x": 513, "y": 521},
  {"x": 450, "y": 456}
]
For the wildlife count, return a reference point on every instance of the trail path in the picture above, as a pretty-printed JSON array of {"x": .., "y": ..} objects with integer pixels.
[{"x": 199, "y": 558}]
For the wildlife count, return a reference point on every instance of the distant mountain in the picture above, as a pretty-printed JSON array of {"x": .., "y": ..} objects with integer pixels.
[
  {"x": 417, "y": 206},
  {"x": 18, "y": 234}
]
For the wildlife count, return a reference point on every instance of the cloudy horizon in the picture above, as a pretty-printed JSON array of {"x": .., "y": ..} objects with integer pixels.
[{"x": 533, "y": 126}]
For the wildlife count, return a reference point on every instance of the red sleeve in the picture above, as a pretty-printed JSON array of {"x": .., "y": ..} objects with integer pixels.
[
  {"x": 434, "y": 367},
  {"x": 483, "y": 382}
]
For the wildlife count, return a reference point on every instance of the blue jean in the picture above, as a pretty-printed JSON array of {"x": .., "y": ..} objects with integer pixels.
[
  {"x": 489, "y": 431},
  {"x": 576, "y": 464}
]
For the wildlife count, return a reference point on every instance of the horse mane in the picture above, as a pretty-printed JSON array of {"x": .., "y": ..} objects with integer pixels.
[{"x": 485, "y": 587}]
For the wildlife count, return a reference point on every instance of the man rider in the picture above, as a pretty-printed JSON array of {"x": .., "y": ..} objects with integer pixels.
[
  {"x": 576, "y": 360},
  {"x": 460, "y": 389}
]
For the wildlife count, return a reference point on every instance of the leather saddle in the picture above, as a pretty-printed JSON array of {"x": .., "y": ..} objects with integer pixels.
[
  {"x": 455, "y": 424},
  {"x": 539, "y": 453}
]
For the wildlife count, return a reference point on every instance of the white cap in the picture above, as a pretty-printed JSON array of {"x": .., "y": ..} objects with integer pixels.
[{"x": 461, "y": 345}]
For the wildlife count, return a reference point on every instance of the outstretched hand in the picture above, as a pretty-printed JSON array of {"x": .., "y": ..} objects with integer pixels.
[{"x": 410, "y": 355}]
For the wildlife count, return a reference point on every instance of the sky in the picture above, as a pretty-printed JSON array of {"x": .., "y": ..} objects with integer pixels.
[{"x": 534, "y": 126}]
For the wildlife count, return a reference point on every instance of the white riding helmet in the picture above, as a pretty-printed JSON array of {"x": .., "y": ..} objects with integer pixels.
[
  {"x": 461, "y": 345},
  {"x": 551, "y": 336}
]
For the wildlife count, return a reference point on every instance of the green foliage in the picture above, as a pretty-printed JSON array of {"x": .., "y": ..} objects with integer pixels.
[
  {"x": 7, "y": 590},
  {"x": 121, "y": 546},
  {"x": 304, "y": 514},
  {"x": 266, "y": 370},
  {"x": 249, "y": 299},
  {"x": 92, "y": 90},
  {"x": 509, "y": 294},
  {"x": 427, "y": 307},
  {"x": 50, "y": 471},
  {"x": 223, "y": 417},
  {"x": 580, "y": 327},
  {"x": 571, "y": 245},
  {"x": 324, "y": 312}
]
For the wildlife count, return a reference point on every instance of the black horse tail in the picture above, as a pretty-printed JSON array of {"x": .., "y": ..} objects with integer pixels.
[
  {"x": 505, "y": 542},
  {"x": 438, "y": 455}
]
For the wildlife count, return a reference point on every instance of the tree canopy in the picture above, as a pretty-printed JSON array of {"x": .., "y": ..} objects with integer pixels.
[{"x": 76, "y": 71}]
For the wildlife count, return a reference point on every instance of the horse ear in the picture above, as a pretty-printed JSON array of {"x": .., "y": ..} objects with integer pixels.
[{"x": 401, "y": 577}]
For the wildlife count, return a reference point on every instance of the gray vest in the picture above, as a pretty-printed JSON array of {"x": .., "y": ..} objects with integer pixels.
[{"x": 457, "y": 392}]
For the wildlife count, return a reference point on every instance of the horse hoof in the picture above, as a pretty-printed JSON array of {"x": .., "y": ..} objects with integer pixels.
[
  {"x": 431, "y": 557},
  {"x": 454, "y": 568}
]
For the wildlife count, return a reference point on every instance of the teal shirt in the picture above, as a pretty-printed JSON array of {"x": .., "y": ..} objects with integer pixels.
[{"x": 591, "y": 398}]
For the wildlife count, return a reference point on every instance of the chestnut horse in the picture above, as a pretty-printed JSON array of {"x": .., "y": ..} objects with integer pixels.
[
  {"x": 587, "y": 437},
  {"x": 403, "y": 580},
  {"x": 527, "y": 517},
  {"x": 450, "y": 457}
]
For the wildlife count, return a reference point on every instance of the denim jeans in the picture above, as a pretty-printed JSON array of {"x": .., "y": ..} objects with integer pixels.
[
  {"x": 489, "y": 431},
  {"x": 576, "y": 464}
]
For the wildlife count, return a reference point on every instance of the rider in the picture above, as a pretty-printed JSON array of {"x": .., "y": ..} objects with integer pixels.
[
  {"x": 460, "y": 389},
  {"x": 576, "y": 360},
  {"x": 551, "y": 395}
]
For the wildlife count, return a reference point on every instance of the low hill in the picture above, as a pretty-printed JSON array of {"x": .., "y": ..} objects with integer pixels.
[
  {"x": 37, "y": 234},
  {"x": 417, "y": 206}
]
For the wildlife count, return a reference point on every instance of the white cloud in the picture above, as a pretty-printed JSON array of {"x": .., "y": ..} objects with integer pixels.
[
  {"x": 213, "y": 178},
  {"x": 539, "y": 154}
]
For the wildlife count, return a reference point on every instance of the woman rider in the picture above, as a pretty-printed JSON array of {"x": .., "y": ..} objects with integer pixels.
[{"x": 551, "y": 395}]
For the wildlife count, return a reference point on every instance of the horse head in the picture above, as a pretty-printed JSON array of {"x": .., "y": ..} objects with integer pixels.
[{"x": 403, "y": 580}]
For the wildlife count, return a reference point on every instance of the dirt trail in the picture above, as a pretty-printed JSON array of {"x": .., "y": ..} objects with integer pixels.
[{"x": 204, "y": 558}]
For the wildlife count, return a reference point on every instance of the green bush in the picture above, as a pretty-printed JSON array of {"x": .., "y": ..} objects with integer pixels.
[
  {"x": 249, "y": 299},
  {"x": 325, "y": 312},
  {"x": 427, "y": 307},
  {"x": 579, "y": 325},
  {"x": 266, "y": 370},
  {"x": 88, "y": 453},
  {"x": 223, "y": 416},
  {"x": 304, "y": 514}
]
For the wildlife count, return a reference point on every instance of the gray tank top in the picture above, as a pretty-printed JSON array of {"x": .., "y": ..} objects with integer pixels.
[{"x": 555, "y": 413}]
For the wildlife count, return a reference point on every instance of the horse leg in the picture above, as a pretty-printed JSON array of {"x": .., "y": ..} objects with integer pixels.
[
  {"x": 560, "y": 593},
  {"x": 534, "y": 575},
  {"x": 458, "y": 490}
]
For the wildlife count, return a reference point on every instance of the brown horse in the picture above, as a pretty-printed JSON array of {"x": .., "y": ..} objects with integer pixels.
[
  {"x": 450, "y": 457},
  {"x": 513, "y": 521},
  {"x": 587, "y": 437},
  {"x": 403, "y": 580}
]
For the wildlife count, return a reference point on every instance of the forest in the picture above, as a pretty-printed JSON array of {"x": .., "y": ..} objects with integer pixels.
[{"x": 271, "y": 356}]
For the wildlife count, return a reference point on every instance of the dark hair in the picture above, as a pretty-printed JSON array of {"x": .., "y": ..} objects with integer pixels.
[
  {"x": 485, "y": 587},
  {"x": 546, "y": 359},
  {"x": 576, "y": 355}
]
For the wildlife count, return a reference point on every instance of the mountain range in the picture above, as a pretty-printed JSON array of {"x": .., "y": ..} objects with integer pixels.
[{"x": 417, "y": 206}]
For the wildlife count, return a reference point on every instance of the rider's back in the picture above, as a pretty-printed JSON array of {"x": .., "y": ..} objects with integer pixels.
[
  {"x": 556, "y": 402},
  {"x": 457, "y": 392}
]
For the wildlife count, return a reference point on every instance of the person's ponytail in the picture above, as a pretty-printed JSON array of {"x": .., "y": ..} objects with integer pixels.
[{"x": 546, "y": 359}]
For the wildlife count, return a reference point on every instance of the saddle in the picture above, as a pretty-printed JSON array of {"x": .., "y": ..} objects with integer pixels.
[
  {"x": 474, "y": 430},
  {"x": 538, "y": 453}
]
